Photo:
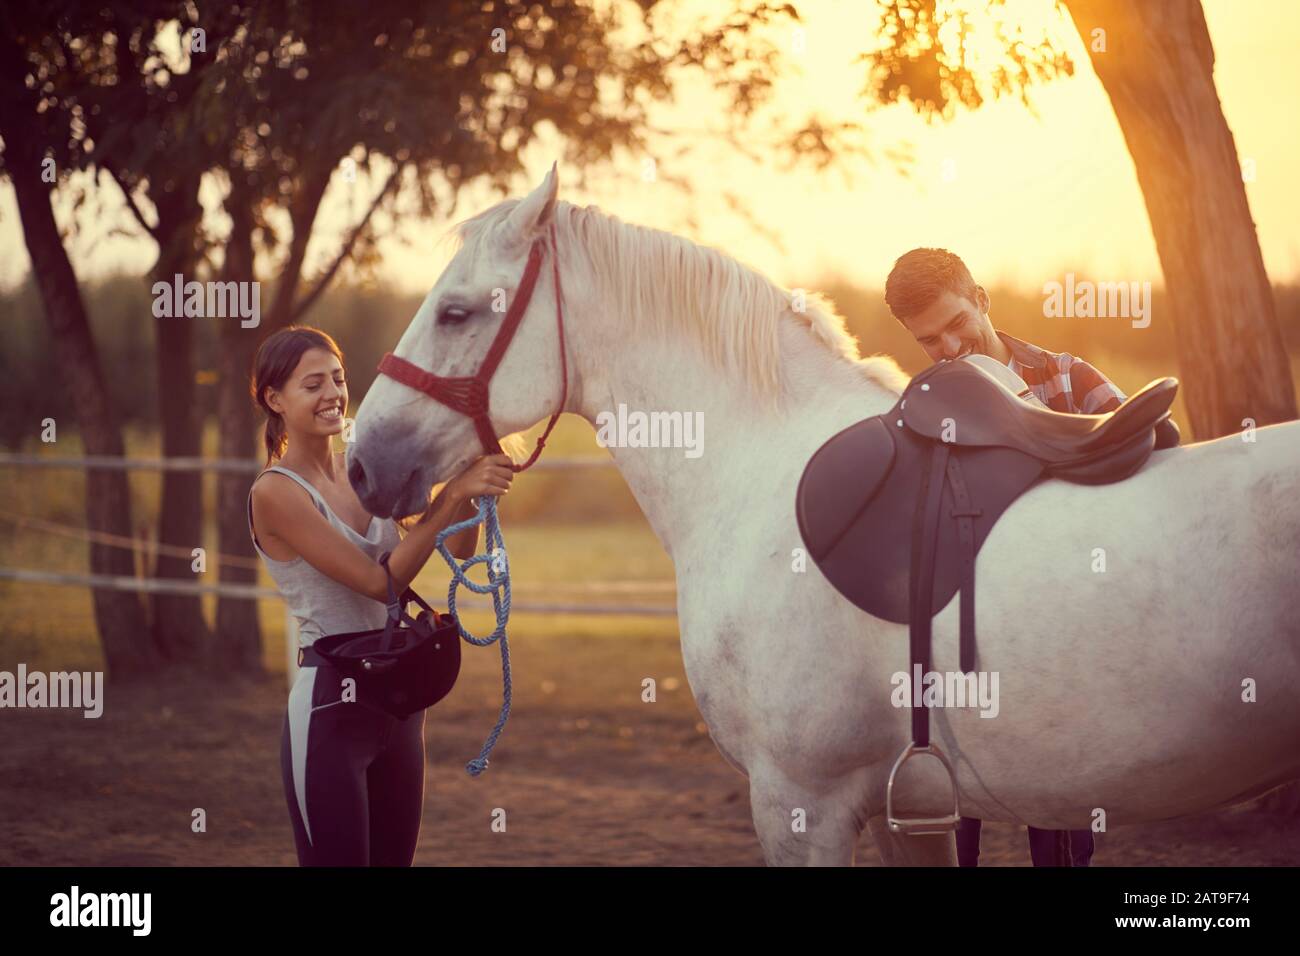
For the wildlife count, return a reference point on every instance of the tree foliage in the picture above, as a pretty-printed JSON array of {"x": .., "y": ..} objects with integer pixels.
[{"x": 938, "y": 55}]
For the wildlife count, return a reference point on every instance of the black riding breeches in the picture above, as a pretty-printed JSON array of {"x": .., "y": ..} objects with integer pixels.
[
  {"x": 1046, "y": 847},
  {"x": 353, "y": 776}
]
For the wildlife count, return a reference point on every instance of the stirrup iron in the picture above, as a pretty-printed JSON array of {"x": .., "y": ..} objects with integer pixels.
[{"x": 922, "y": 825}]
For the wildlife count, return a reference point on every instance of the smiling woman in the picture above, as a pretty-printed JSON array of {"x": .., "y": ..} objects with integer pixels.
[
  {"x": 277, "y": 361},
  {"x": 359, "y": 801}
]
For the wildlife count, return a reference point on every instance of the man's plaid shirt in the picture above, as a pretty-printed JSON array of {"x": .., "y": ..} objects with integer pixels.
[{"x": 1061, "y": 381}]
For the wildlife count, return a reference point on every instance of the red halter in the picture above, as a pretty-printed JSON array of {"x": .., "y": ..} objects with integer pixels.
[{"x": 468, "y": 394}]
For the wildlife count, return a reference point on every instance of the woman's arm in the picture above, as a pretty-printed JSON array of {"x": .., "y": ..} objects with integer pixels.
[
  {"x": 282, "y": 509},
  {"x": 463, "y": 545},
  {"x": 489, "y": 475}
]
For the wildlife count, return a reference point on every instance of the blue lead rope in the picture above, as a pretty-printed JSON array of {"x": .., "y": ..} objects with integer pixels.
[{"x": 499, "y": 587}]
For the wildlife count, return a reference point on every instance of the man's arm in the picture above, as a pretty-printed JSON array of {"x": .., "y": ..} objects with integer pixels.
[
  {"x": 1095, "y": 394},
  {"x": 1091, "y": 392}
]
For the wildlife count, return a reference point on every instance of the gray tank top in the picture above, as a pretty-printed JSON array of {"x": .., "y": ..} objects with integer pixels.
[{"x": 321, "y": 604}]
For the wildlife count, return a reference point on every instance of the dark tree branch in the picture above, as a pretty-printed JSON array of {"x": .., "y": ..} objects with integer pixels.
[
  {"x": 152, "y": 231},
  {"x": 303, "y": 208},
  {"x": 322, "y": 283}
]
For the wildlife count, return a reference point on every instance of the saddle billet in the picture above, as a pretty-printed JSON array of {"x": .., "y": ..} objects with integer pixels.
[{"x": 894, "y": 509}]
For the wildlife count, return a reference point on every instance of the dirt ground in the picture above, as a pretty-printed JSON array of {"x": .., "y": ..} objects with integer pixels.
[{"x": 587, "y": 773}]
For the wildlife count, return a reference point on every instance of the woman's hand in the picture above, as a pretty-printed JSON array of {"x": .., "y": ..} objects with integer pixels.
[{"x": 489, "y": 475}]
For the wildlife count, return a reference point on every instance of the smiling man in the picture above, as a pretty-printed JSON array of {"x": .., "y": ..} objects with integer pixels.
[{"x": 932, "y": 293}]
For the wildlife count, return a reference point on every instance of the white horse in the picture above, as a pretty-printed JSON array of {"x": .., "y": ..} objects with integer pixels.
[{"x": 1165, "y": 686}]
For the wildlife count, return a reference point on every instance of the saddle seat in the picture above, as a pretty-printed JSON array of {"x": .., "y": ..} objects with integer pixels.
[{"x": 988, "y": 413}]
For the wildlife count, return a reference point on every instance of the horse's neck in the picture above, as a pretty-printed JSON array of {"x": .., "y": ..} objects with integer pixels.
[{"x": 748, "y": 449}]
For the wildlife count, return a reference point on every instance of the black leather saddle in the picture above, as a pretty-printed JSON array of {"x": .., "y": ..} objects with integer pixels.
[{"x": 894, "y": 509}]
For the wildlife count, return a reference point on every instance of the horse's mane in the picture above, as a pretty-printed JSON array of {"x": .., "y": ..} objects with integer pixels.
[{"x": 670, "y": 285}]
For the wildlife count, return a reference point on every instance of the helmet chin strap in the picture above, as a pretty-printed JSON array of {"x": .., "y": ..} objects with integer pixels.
[{"x": 469, "y": 394}]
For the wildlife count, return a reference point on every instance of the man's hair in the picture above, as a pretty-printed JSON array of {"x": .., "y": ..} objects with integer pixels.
[{"x": 921, "y": 276}]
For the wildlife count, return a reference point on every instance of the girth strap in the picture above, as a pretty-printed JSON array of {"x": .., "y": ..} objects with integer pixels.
[
  {"x": 964, "y": 512},
  {"x": 925, "y": 532},
  {"x": 925, "y": 528}
]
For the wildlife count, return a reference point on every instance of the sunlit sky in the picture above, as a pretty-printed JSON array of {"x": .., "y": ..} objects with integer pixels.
[{"x": 1024, "y": 198}]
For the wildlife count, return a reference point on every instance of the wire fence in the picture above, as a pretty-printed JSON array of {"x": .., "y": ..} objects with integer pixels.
[
  {"x": 228, "y": 465},
  {"x": 145, "y": 548}
]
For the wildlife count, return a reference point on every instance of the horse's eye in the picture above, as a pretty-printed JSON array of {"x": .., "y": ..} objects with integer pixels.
[{"x": 453, "y": 315}]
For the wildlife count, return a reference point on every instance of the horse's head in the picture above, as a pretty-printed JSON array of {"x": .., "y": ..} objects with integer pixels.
[{"x": 405, "y": 440}]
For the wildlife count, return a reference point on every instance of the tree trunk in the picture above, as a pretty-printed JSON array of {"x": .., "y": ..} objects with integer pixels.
[
  {"x": 1157, "y": 67},
  {"x": 178, "y": 625},
  {"x": 239, "y": 636},
  {"x": 119, "y": 615}
]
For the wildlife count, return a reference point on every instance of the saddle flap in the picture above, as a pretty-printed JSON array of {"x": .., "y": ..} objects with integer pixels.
[
  {"x": 857, "y": 502},
  {"x": 839, "y": 482}
]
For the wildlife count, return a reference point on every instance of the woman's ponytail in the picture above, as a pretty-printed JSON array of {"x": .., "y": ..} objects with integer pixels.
[{"x": 274, "y": 437}]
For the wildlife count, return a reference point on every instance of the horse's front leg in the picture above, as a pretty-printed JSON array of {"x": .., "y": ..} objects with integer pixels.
[{"x": 799, "y": 827}]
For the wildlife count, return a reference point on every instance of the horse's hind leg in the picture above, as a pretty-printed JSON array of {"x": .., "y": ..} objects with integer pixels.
[
  {"x": 799, "y": 828},
  {"x": 899, "y": 849}
]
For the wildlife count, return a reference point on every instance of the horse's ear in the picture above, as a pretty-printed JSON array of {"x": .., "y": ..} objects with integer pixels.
[{"x": 534, "y": 212}]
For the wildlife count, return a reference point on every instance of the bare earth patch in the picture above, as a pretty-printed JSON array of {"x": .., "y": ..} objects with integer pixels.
[{"x": 586, "y": 772}]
